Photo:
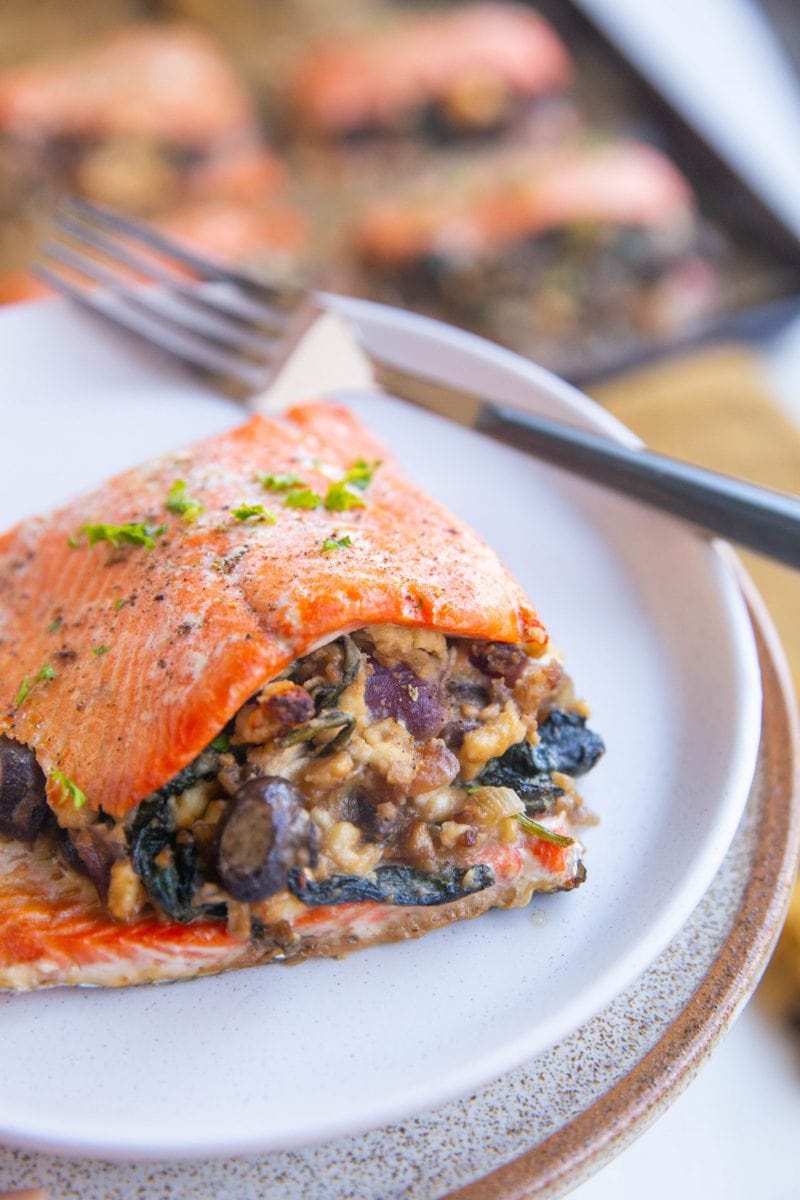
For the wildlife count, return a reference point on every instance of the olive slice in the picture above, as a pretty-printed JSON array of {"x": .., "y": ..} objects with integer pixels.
[
  {"x": 264, "y": 833},
  {"x": 23, "y": 802}
]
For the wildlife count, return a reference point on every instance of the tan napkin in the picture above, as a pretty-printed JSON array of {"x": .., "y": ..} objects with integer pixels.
[{"x": 714, "y": 408}]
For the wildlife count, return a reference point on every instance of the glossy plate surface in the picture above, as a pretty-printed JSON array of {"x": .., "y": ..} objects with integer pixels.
[{"x": 656, "y": 636}]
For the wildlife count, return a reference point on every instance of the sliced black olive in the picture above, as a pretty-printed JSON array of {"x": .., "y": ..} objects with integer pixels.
[
  {"x": 23, "y": 801},
  {"x": 467, "y": 691},
  {"x": 393, "y": 884},
  {"x": 69, "y": 855},
  {"x": 264, "y": 833}
]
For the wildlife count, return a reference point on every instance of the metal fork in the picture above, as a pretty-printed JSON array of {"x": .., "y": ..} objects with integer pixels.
[{"x": 239, "y": 333}]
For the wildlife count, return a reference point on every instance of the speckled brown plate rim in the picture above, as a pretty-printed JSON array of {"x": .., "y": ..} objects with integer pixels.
[{"x": 599, "y": 1133}]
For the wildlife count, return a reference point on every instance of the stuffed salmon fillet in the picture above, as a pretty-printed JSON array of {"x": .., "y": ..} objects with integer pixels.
[
  {"x": 263, "y": 699},
  {"x": 585, "y": 246},
  {"x": 463, "y": 70},
  {"x": 146, "y": 116}
]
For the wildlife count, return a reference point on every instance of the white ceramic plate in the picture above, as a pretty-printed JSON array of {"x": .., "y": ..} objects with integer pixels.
[{"x": 656, "y": 636}]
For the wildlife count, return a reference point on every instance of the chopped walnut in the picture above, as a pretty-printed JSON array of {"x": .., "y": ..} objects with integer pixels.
[
  {"x": 327, "y": 772},
  {"x": 342, "y": 844},
  {"x": 423, "y": 650},
  {"x": 439, "y": 805},
  {"x": 535, "y": 685},
  {"x": 238, "y": 919},
  {"x": 451, "y": 833},
  {"x": 502, "y": 730},
  {"x": 437, "y": 767},
  {"x": 190, "y": 805},
  {"x": 390, "y": 749},
  {"x": 418, "y": 847},
  {"x": 281, "y": 706},
  {"x": 126, "y": 892}
]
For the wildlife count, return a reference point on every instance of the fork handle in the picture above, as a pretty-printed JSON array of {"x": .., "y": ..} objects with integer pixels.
[{"x": 757, "y": 517}]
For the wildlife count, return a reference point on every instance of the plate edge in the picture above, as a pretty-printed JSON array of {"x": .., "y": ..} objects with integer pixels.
[{"x": 592, "y": 1139}]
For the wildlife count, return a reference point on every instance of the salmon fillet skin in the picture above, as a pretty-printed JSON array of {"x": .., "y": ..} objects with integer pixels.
[{"x": 263, "y": 699}]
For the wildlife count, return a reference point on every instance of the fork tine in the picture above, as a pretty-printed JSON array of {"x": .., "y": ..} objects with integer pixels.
[
  {"x": 243, "y": 331},
  {"x": 220, "y": 369},
  {"x": 279, "y": 297},
  {"x": 82, "y": 231},
  {"x": 254, "y": 314},
  {"x": 159, "y": 304}
]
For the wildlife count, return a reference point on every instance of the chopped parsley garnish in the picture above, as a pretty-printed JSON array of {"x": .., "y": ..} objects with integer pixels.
[
  {"x": 334, "y": 543},
  {"x": 303, "y": 498},
  {"x": 132, "y": 534},
  {"x": 178, "y": 502},
  {"x": 220, "y": 743},
  {"x": 254, "y": 513},
  {"x": 121, "y": 602},
  {"x": 541, "y": 831},
  {"x": 55, "y": 625},
  {"x": 361, "y": 473},
  {"x": 280, "y": 483},
  {"x": 344, "y": 495},
  {"x": 100, "y": 650},
  {"x": 28, "y": 684},
  {"x": 73, "y": 791}
]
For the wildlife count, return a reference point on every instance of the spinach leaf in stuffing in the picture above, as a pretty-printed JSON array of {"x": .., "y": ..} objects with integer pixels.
[
  {"x": 565, "y": 745},
  {"x": 393, "y": 885}
]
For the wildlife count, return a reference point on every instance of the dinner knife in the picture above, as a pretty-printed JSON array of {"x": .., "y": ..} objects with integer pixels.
[
  {"x": 762, "y": 519},
  {"x": 330, "y": 358}
]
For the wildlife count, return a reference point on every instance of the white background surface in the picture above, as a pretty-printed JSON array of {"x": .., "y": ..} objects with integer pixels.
[{"x": 733, "y": 1135}]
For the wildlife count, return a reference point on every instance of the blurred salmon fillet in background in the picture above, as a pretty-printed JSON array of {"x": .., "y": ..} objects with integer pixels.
[
  {"x": 153, "y": 81},
  {"x": 147, "y": 116},
  {"x": 470, "y": 65},
  {"x": 503, "y": 201},
  {"x": 153, "y": 117},
  {"x": 551, "y": 250}
]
